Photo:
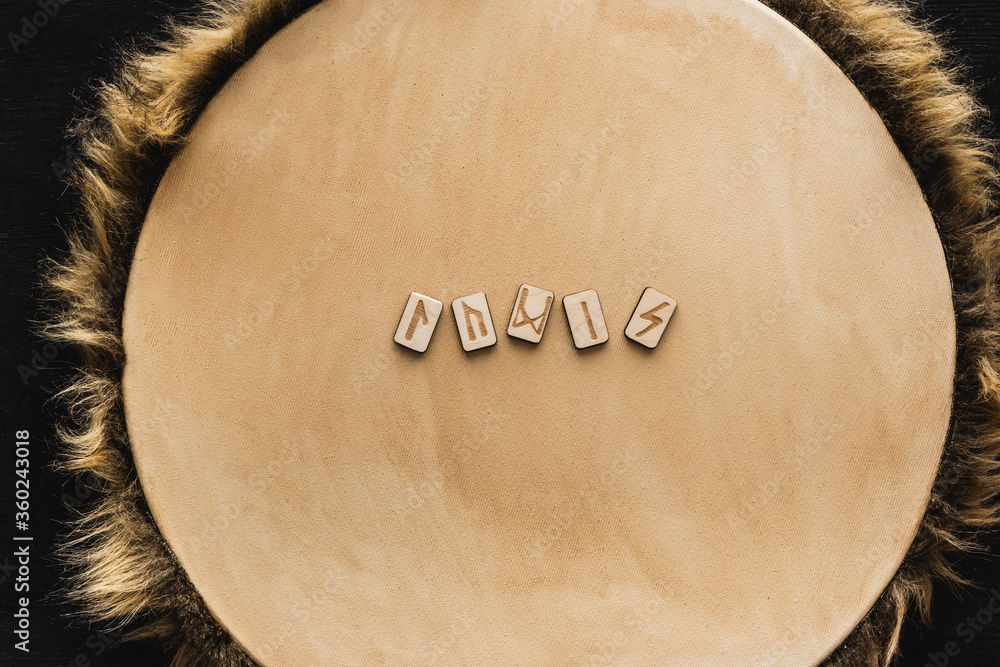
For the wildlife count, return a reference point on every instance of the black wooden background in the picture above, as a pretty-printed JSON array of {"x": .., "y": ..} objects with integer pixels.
[{"x": 44, "y": 74}]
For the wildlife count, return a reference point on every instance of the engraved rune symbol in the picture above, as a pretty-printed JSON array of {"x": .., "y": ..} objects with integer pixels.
[
  {"x": 468, "y": 311},
  {"x": 418, "y": 321},
  {"x": 419, "y": 316},
  {"x": 474, "y": 335},
  {"x": 586, "y": 318},
  {"x": 590, "y": 322},
  {"x": 521, "y": 318},
  {"x": 651, "y": 317}
]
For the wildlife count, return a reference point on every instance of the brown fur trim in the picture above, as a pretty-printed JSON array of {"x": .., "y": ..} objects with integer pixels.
[{"x": 124, "y": 572}]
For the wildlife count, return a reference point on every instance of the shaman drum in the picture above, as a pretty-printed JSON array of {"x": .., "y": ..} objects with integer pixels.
[{"x": 311, "y": 489}]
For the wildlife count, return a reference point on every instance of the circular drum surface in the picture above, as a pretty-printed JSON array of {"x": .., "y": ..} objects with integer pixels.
[{"x": 739, "y": 495}]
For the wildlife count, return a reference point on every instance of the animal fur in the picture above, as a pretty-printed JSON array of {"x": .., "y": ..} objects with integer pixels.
[{"x": 122, "y": 571}]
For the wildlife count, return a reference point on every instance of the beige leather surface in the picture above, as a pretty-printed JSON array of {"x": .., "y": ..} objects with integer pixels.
[{"x": 739, "y": 495}]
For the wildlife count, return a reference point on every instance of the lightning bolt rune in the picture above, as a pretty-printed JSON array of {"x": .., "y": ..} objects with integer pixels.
[{"x": 651, "y": 317}]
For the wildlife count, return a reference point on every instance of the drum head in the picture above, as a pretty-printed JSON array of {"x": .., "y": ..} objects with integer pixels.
[{"x": 741, "y": 493}]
